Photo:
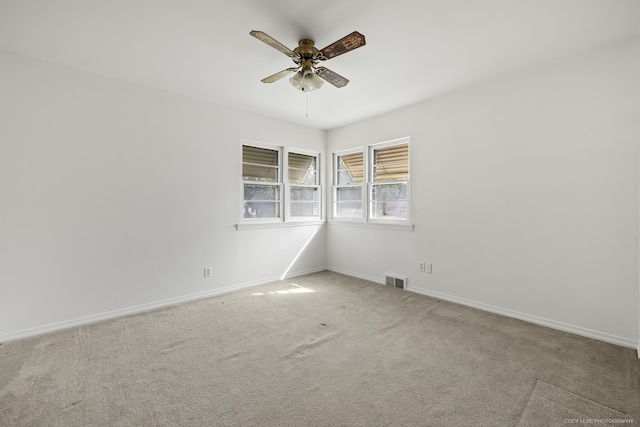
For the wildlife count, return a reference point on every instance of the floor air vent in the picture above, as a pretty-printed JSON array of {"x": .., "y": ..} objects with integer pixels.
[{"x": 396, "y": 282}]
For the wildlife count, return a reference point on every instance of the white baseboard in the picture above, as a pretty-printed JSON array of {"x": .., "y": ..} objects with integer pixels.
[
  {"x": 577, "y": 330},
  {"x": 565, "y": 327},
  {"x": 358, "y": 275},
  {"x": 82, "y": 321}
]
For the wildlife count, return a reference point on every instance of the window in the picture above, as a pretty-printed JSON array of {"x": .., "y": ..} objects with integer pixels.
[
  {"x": 349, "y": 185},
  {"x": 372, "y": 184},
  {"x": 304, "y": 189},
  {"x": 389, "y": 180},
  {"x": 261, "y": 181},
  {"x": 273, "y": 193}
]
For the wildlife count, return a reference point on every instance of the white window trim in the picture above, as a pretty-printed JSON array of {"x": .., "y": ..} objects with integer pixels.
[
  {"x": 363, "y": 224},
  {"x": 366, "y": 220},
  {"x": 285, "y": 219},
  {"x": 335, "y": 186},
  {"x": 260, "y": 225},
  {"x": 279, "y": 182},
  {"x": 287, "y": 186}
]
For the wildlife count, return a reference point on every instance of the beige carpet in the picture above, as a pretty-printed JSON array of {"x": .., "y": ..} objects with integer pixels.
[{"x": 317, "y": 350}]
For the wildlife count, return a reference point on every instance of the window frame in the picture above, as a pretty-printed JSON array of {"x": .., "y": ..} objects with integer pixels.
[
  {"x": 285, "y": 218},
  {"x": 278, "y": 183},
  {"x": 336, "y": 186},
  {"x": 289, "y": 217},
  {"x": 371, "y": 183},
  {"x": 367, "y": 186}
]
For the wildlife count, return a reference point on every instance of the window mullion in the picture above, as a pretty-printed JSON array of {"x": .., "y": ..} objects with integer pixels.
[
  {"x": 284, "y": 176},
  {"x": 366, "y": 190}
]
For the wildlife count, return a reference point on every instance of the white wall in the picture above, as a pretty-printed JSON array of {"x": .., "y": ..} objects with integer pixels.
[
  {"x": 524, "y": 196},
  {"x": 115, "y": 197}
]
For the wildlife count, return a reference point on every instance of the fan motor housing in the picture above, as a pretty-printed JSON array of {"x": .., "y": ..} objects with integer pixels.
[{"x": 306, "y": 49}]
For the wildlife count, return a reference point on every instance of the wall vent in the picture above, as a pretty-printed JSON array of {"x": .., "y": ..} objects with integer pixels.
[{"x": 396, "y": 281}]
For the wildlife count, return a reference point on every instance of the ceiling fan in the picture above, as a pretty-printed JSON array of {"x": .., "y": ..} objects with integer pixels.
[{"x": 307, "y": 57}]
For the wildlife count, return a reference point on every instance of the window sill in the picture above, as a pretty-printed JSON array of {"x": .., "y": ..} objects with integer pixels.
[
  {"x": 384, "y": 225},
  {"x": 258, "y": 225}
]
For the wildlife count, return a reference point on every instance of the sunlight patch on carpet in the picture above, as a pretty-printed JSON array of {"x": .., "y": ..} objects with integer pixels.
[{"x": 297, "y": 290}]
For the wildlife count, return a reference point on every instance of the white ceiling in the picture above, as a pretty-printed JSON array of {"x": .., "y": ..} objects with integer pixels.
[{"x": 416, "y": 49}]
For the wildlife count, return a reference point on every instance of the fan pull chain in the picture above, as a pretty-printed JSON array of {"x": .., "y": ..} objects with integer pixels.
[{"x": 307, "y": 96}]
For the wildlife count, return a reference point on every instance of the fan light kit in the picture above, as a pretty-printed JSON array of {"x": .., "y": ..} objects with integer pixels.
[{"x": 308, "y": 75}]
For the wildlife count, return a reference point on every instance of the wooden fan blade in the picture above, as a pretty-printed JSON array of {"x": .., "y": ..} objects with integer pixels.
[
  {"x": 272, "y": 42},
  {"x": 334, "y": 78},
  {"x": 344, "y": 45},
  {"x": 277, "y": 76}
]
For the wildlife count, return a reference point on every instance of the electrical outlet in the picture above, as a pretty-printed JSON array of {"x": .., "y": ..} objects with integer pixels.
[
  {"x": 422, "y": 266},
  {"x": 428, "y": 268},
  {"x": 207, "y": 272}
]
